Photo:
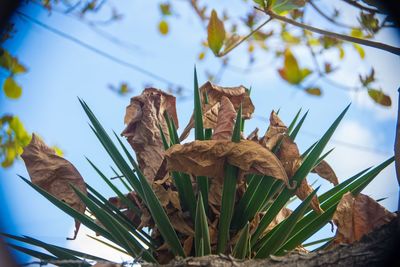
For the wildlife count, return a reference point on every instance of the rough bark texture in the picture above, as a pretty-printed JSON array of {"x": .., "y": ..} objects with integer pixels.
[{"x": 379, "y": 248}]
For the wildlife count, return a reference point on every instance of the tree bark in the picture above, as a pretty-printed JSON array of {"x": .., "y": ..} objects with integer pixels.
[
  {"x": 397, "y": 148},
  {"x": 379, "y": 248}
]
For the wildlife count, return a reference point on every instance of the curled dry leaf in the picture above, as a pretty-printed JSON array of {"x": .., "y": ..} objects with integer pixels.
[
  {"x": 288, "y": 154},
  {"x": 121, "y": 205},
  {"x": 290, "y": 157},
  {"x": 54, "y": 174},
  {"x": 207, "y": 158},
  {"x": 324, "y": 170},
  {"x": 225, "y": 121},
  {"x": 210, "y": 116},
  {"x": 358, "y": 216},
  {"x": 143, "y": 117},
  {"x": 237, "y": 95},
  {"x": 275, "y": 132}
]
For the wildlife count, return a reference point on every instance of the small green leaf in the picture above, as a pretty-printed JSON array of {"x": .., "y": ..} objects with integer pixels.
[
  {"x": 280, "y": 6},
  {"x": 12, "y": 89},
  {"x": 216, "y": 33},
  {"x": 379, "y": 97}
]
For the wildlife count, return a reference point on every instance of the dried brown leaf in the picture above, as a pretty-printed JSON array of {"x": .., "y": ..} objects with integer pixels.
[
  {"x": 290, "y": 157},
  {"x": 253, "y": 136},
  {"x": 358, "y": 216},
  {"x": 143, "y": 117},
  {"x": 188, "y": 245},
  {"x": 324, "y": 170},
  {"x": 281, "y": 216},
  {"x": 237, "y": 95},
  {"x": 274, "y": 133},
  {"x": 180, "y": 224},
  {"x": 210, "y": 116},
  {"x": 54, "y": 174},
  {"x": 207, "y": 158},
  {"x": 226, "y": 120}
]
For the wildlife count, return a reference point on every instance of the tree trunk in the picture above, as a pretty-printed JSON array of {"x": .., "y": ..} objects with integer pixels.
[{"x": 379, "y": 248}]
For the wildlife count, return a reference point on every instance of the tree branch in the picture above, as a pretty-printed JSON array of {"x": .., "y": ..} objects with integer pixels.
[
  {"x": 330, "y": 19},
  {"x": 381, "y": 46},
  {"x": 359, "y": 6},
  {"x": 397, "y": 148}
]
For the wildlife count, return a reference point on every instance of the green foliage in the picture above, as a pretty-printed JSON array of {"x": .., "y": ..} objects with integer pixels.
[
  {"x": 286, "y": 236},
  {"x": 280, "y": 6},
  {"x": 13, "y": 139}
]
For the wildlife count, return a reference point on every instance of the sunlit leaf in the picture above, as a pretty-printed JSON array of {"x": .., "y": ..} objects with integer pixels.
[
  {"x": 379, "y": 97},
  {"x": 11, "y": 63},
  {"x": 291, "y": 72},
  {"x": 359, "y": 50},
  {"x": 11, "y": 88},
  {"x": 280, "y": 6},
  {"x": 163, "y": 27},
  {"x": 216, "y": 33}
]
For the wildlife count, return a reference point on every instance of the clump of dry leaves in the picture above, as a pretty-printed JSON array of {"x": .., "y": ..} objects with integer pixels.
[{"x": 274, "y": 154}]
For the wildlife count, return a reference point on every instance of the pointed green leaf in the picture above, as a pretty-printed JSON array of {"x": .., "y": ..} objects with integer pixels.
[
  {"x": 201, "y": 230},
  {"x": 241, "y": 249}
]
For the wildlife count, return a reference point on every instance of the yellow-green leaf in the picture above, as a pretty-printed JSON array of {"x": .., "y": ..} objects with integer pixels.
[
  {"x": 379, "y": 97},
  {"x": 313, "y": 91},
  {"x": 11, "y": 88},
  {"x": 11, "y": 63},
  {"x": 341, "y": 53},
  {"x": 216, "y": 33},
  {"x": 163, "y": 27},
  {"x": 21, "y": 135},
  {"x": 291, "y": 72},
  {"x": 58, "y": 151},
  {"x": 360, "y": 50}
]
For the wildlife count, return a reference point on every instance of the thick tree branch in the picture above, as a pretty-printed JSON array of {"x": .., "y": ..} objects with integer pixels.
[
  {"x": 381, "y": 46},
  {"x": 379, "y": 248}
]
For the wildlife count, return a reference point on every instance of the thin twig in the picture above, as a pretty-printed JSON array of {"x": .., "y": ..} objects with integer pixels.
[
  {"x": 229, "y": 49},
  {"x": 99, "y": 51},
  {"x": 397, "y": 148},
  {"x": 329, "y": 18},
  {"x": 381, "y": 46},
  {"x": 359, "y": 6}
]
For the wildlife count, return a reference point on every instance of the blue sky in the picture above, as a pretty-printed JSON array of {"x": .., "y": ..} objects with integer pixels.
[{"x": 60, "y": 71}]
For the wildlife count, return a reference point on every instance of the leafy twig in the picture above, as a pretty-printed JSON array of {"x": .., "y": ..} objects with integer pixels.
[{"x": 229, "y": 49}]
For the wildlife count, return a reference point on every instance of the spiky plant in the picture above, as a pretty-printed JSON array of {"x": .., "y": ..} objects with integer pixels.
[{"x": 221, "y": 193}]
